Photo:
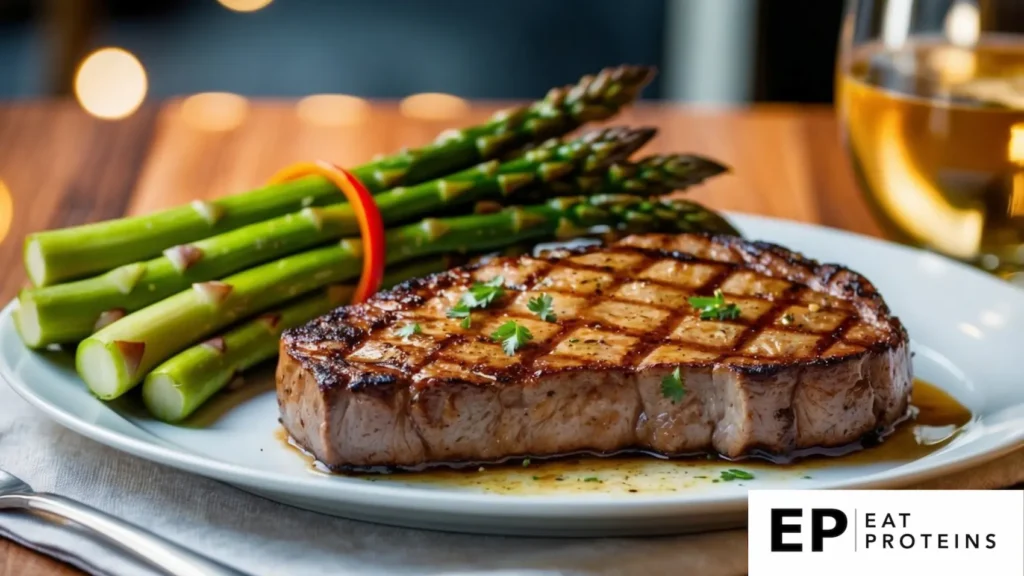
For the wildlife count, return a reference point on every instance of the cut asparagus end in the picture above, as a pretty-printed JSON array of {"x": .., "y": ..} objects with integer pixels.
[
  {"x": 107, "y": 367},
  {"x": 163, "y": 398},
  {"x": 35, "y": 263},
  {"x": 26, "y": 320}
]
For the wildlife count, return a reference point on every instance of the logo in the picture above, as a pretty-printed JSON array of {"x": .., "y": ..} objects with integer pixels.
[
  {"x": 818, "y": 530},
  {"x": 837, "y": 532}
]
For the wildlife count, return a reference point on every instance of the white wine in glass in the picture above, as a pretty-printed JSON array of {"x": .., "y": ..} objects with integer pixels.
[{"x": 930, "y": 95}]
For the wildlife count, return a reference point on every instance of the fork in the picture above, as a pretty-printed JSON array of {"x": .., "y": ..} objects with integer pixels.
[{"x": 139, "y": 542}]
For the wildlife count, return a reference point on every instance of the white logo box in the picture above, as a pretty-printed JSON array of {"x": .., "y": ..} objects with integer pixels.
[{"x": 933, "y": 532}]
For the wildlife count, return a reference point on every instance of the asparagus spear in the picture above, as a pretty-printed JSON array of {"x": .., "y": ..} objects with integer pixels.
[
  {"x": 651, "y": 176},
  {"x": 176, "y": 388},
  {"x": 119, "y": 356},
  {"x": 53, "y": 256},
  {"x": 69, "y": 312},
  {"x": 56, "y": 255}
]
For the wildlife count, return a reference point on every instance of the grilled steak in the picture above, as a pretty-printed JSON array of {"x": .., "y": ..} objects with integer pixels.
[{"x": 814, "y": 359}]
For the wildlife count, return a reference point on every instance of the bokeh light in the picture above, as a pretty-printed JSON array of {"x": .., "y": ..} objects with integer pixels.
[
  {"x": 244, "y": 5},
  {"x": 6, "y": 210},
  {"x": 110, "y": 83},
  {"x": 953, "y": 66},
  {"x": 963, "y": 24},
  {"x": 214, "y": 111},
  {"x": 333, "y": 110},
  {"x": 1015, "y": 150},
  {"x": 433, "y": 106}
]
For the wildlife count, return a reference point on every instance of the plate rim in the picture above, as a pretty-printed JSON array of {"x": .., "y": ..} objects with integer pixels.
[{"x": 466, "y": 503}]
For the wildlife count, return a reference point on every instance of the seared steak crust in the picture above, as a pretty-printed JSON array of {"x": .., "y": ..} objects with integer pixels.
[{"x": 814, "y": 360}]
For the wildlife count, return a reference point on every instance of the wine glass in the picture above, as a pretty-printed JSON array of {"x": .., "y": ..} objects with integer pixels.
[{"x": 930, "y": 97}]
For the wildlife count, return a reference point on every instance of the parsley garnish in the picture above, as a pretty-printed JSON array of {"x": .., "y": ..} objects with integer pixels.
[
  {"x": 715, "y": 307},
  {"x": 460, "y": 311},
  {"x": 592, "y": 479},
  {"x": 526, "y": 462},
  {"x": 541, "y": 306},
  {"x": 408, "y": 330},
  {"x": 479, "y": 295},
  {"x": 513, "y": 336},
  {"x": 736, "y": 474},
  {"x": 672, "y": 386}
]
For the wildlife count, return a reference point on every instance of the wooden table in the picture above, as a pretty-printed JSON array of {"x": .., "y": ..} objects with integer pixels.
[{"x": 63, "y": 167}]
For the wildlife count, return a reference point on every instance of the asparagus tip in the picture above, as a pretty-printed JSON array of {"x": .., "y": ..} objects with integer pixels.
[{"x": 628, "y": 139}]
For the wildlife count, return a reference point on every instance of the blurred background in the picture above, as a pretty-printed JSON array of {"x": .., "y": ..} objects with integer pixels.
[{"x": 728, "y": 52}]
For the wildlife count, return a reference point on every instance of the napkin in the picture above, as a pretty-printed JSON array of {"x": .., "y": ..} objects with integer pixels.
[{"x": 265, "y": 538}]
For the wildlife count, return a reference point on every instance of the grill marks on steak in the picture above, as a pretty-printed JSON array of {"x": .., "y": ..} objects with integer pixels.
[{"x": 814, "y": 359}]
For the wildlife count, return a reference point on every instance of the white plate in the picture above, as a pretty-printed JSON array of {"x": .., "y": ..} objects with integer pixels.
[{"x": 967, "y": 330}]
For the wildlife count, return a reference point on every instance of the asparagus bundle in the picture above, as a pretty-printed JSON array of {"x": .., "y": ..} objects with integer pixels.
[
  {"x": 57, "y": 255},
  {"x": 119, "y": 356},
  {"x": 69, "y": 312}
]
